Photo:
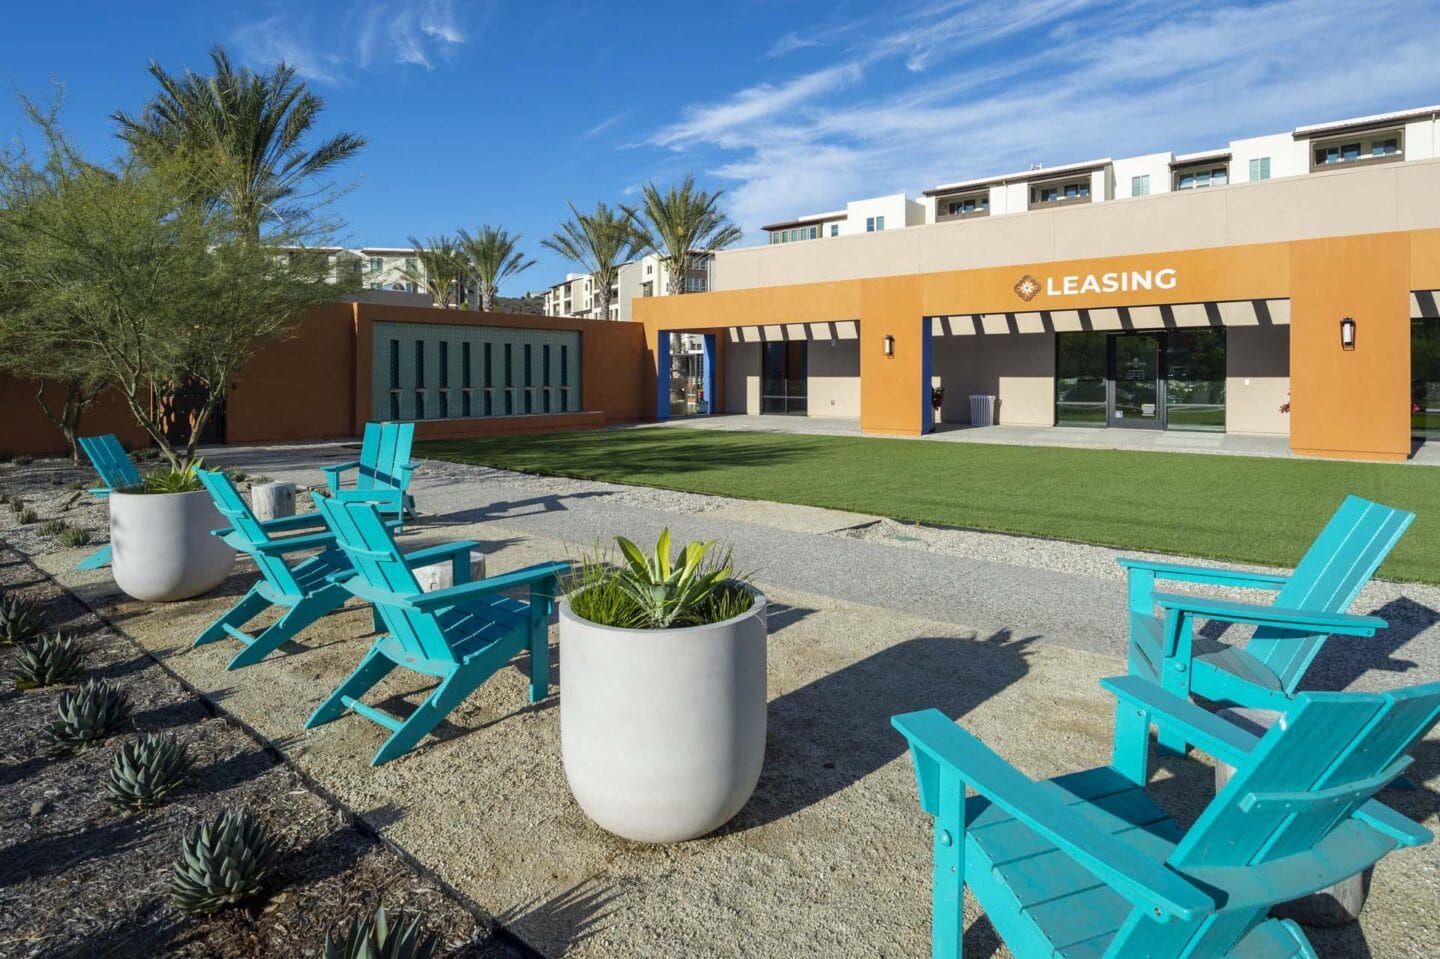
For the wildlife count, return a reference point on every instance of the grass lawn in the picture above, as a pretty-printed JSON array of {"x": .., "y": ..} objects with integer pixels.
[{"x": 1221, "y": 507}]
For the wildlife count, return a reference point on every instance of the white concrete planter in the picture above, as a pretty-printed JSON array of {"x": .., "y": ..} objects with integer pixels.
[
  {"x": 161, "y": 547},
  {"x": 663, "y": 731}
]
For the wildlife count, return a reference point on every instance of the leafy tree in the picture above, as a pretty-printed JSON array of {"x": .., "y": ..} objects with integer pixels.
[
  {"x": 119, "y": 270},
  {"x": 240, "y": 139},
  {"x": 491, "y": 255},
  {"x": 684, "y": 224},
  {"x": 439, "y": 269},
  {"x": 600, "y": 242}
]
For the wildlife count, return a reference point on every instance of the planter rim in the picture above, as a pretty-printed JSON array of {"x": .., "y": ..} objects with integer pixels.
[
  {"x": 188, "y": 492},
  {"x": 757, "y": 606}
]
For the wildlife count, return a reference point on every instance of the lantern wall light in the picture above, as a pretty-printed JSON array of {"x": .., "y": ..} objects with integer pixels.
[
  {"x": 889, "y": 345},
  {"x": 1347, "y": 333}
]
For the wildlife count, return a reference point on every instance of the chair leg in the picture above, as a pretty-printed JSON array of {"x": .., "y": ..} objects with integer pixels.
[
  {"x": 373, "y": 668},
  {"x": 947, "y": 922},
  {"x": 251, "y": 605},
  {"x": 296, "y": 619},
  {"x": 96, "y": 560},
  {"x": 1173, "y": 680},
  {"x": 449, "y": 694},
  {"x": 539, "y": 660},
  {"x": 1131, "y": 751}
]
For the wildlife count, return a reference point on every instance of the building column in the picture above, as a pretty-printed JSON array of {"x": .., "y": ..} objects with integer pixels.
[
  {"x": 709, "y": 366},
  {"x": 1350, "y": 403},
  {"x": 894, "y": 386},
  {"x": 662, "y": 375}
]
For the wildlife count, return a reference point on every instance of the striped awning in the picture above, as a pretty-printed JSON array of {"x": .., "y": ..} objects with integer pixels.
[
  {"x": 832, "y": 330},
  {"x": 1115, "y": 319}
]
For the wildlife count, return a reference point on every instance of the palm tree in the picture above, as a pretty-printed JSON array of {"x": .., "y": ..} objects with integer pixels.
[
  {"x": 600, "y": 242},
  {"x": 683, "y": 224},
  {"x": 241, "y": 134},
  {"x": 439, "y": 269},
  {"x": 490, "y": 255}
]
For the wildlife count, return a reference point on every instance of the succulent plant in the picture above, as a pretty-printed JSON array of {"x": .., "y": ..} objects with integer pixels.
[
  {"x": 15, "y": 502},
  {"x": 51, "y": 527},
  {"x": 145, "y": 771},
  {"x": 26, "y": 516},
  {"x": 50, "y": 661},
  {"x": 372, "y": 937},
  {"x": 222, "y": 862},
  {"x": 20, "y": 621},
  {"x": 87, "y": 715},
  {"x": 73, "y": 536}
]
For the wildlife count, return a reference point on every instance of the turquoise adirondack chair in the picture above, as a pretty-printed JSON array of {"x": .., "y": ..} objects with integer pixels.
[
  {"x": 1310, "y": 605},
  {"x": 1086, "y": 865},
  {"x": 307, "y": 591},
  {"x": 116, "y": 472},
  {"x": 383, "y": 469},
  {"x": 463, "y": 634}
]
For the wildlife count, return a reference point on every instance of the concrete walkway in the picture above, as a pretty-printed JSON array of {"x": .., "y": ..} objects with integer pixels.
[
  {"x": 869, "y": 618},
  {"x": 1168, "y": 441}
]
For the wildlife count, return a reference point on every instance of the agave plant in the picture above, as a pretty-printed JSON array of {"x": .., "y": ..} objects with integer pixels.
[
  {"x": 73, "y": 536},
  {"x": 53, "y": 660},
  {"x": 87, "y": 715},
  {"x": 20, "y": 621},
  {"x": 146, "y": 771},
  {"x": 372, "y": 937},
  {"x": 222, "y": 862},
  {"x": 668, "y": 589},
  {"x": 178, "y": 479},
  {"x": 51, "y": 527}
]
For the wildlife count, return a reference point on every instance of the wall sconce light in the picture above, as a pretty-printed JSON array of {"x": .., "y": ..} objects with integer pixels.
[
  {"x": 890, "y": 344},
  {"x": 1347, "y": 334}
]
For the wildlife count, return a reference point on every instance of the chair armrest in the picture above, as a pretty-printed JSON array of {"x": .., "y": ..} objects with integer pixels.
[
  {"x": 101, "y": 491},
  {"x": 1186, "y": 573},
  {"x": 340, "y": 467},
  {"x": 293, "y": 544},
  {"x": 493, "y": 584},
  {"x": 1260, "y": 614},
  {"x": 1143, "y": 881},
  {"x": 298, "y": 521},
  {"x": 433, "y": 554},
  {"x": 371, "y": 495},
  {"x": 359, "y": 588},
  {"x": 1209, "y": 733}
]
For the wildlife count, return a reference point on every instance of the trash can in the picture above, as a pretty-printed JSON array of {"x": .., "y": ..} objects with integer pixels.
[{"x": 982, "y": 409}]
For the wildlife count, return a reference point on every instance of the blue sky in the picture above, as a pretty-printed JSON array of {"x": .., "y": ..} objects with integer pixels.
[{"x": 498, "y": 112}]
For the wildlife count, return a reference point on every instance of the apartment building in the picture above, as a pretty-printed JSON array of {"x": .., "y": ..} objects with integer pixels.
[
  {"x": 874, "y": 215},
  {"x": 648, "y": 276},
  {"x": 1284, "y": 285},
  {"x": 386, "y": 268}
]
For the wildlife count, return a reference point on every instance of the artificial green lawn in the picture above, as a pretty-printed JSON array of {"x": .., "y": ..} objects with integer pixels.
[{"x": 1247, "y": 509}]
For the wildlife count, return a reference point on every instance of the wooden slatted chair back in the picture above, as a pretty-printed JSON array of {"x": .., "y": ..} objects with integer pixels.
[
  {"x": 383, "y": 451},
  {"x": 1339, "y": 563},
  {"x": 110, "y": 460},
  {"x": 361, "y": 533},
  {"x": 231, "y": 505},
  {"x": 1285, "y": 817}
]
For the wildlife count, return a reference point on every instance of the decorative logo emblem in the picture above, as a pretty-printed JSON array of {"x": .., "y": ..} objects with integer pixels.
[{"x": 1028, "y": 288}]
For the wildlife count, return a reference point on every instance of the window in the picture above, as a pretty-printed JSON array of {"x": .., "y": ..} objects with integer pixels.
[
  {"x": 874, "y": 224},
  {"x": 1340, "y": 153},
  {"x": 394, "y": 379},
  {"x": 376, "y": 264},
  {"x": 1140, "y": 185},
  {"x": 465, "y": 409},
  {"x": 834, "y": 229},
  {"x": 509, "y": 380},
  {"x": 419, "y": 379},
  {"x": 410, "y": 264},
  {"x": 649, "y": 268},
  {"x": 1061, "y": 192},
  {"x": 814, "y": 232},
  {"x": 1259, "y": 168},
  {"x": 444, "y": 380},
  {"x": 1385, "y": 148},
  {"x": 968, "y": 206},
  {"x": 1199, "y": 179},
  {"x": 695, "y": 283}
]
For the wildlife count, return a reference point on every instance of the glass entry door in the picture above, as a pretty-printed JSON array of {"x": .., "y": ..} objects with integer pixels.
[
  {"x": 784, "y": 377},
  {"x": 1136, "y": 400}
]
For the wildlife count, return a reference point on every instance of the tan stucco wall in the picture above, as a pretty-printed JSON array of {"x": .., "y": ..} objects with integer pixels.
[
  {"x": 742, "y": 377},
  {"x": 1257, "y": 379},
  {"x": 834, "y": 380},
  {"x": 1018, "y": 368}
]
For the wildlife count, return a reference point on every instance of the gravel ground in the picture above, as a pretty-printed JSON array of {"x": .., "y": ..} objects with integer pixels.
[{"x": 831, "y": 857}]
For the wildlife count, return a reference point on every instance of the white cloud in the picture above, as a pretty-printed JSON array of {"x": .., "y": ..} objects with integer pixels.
[
  {"x": 970, "y": 88},
  {"x": 789, "y": 43},
  {"x": 369, "y": 34}
]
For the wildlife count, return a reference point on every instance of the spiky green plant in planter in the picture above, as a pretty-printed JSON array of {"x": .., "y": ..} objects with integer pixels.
[
  {"x": 145, "y": 771},
  {"x": 73, "y": 536},
  {"x": 51, "y": 527},
  {"x": 50, "y": 661},
  {"x": 20, "y": 621},
  {"x": 372, "y": 937},
  {"x": 87, "y": 715},
  {"x": 222, "y": 862},
  {"x": 658, "y": 591}
]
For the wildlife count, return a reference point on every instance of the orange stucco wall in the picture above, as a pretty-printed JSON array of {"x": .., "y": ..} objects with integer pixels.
[
  {"x": 1346, "y": 403},
  {"x": 315, "y": 384}
]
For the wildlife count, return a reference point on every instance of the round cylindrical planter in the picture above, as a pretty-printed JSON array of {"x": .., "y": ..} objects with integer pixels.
[
  {"x": 663, "y": 731},
  {"x": 161, "y": 548}
]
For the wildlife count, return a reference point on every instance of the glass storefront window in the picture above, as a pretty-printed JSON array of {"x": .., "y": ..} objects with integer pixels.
[
  {"x": 1425, "y": 378},
  {"x": 783, "y": 378},
  {"x": 1195, "y": 380},
  {"x": 1080, "y": 369}
]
